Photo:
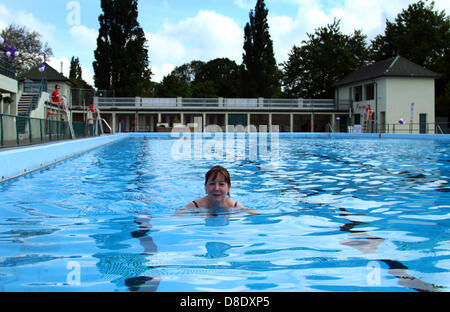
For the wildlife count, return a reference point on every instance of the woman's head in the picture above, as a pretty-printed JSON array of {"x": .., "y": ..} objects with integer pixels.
[
  {"x": 215, "y": 171},
  {"x": 217, "y": 180}
]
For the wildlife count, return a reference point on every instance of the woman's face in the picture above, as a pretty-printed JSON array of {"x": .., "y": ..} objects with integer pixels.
[{"x": 217, "y": 189}]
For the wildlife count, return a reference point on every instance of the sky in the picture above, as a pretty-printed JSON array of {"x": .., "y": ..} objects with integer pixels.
[{"x": 180, "y": 31}]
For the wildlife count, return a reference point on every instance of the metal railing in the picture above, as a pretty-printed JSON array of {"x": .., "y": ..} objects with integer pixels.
[
  {"x": 35, "y": 100},
  {"x": 30, "y": 86},
  {"x": 118, "y": 102},
  {"x": 7, "y": 69},
  {"x": 81, "y": 98},
  {"x": 406, "y": 128},
  {"x": 223, "y": 103},
  {"x": 23, "y": 130}
]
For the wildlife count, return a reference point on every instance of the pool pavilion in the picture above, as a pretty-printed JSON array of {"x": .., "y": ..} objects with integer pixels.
[{"x": 164, "y": 114}]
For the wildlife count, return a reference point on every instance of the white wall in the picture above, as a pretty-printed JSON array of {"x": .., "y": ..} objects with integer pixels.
[
  {"x": 39, "y": 112},
  {"x": 401, "y": 92},
  {"x": 11, "y": 86},
  {"x": 8, "y": 84},
  {"x": 394, "y": 96}
]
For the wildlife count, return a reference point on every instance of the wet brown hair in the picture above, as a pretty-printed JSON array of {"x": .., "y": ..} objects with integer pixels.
[{"x": 214, "y": 171}]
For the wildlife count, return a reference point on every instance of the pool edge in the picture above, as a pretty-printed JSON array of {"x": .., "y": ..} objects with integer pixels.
[{"x": 22, "y": 161}]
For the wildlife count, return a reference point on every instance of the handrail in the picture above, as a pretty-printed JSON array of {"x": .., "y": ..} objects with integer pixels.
[
  {"x": 106, "y": 123},
  {"x": 35, "y": 100},
  {"x": 440, "y": 129},
  {"x": 331, "y": 128},
  {"x": 223, "y": 103},
  {"x": 7, "y": 69},
  {"x": 38, "y": 131}
]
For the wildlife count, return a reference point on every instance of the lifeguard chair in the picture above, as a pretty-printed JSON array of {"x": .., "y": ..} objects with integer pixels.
[
  {"x": 97, "y": 120},
  {"x": 62, "y": 110}
]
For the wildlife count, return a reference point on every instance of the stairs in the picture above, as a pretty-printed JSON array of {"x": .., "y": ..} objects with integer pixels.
[
  {"x": 24, "y": 103},
  {"x": 22, "y": 110}
]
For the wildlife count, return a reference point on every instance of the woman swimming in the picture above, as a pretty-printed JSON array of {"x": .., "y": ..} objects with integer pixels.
[
  {"x": 217, "y": 199},
  {"x": 217, "y": 188}
]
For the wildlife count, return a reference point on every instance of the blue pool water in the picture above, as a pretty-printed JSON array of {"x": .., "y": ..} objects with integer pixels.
[{"x": 335, "y": 215}]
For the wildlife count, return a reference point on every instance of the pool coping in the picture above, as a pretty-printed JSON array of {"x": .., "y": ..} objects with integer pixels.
[
  {"x": 16, "y": 162},
  {"x": 403, "y": 136}
]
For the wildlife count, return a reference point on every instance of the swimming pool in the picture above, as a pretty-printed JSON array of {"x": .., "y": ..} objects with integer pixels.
[{"x": 335, "y": 215}]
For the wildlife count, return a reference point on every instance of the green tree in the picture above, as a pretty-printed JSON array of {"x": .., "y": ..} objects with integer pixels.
[
  {"x": 84, "y": 93},
  {"x": 75, "y": 72},
  {"x": 421, "y": 34},
  {"x": 224, "y": 74},
  {"x": 217, "y": 78},
  {"x": 203, "y": 89},
  {"x": 121, "y": 58},
  {"x": 326, "y": 57},
  {"x": 32, "y": 50},
  {"x": 259, "y": 75},
  {"x": 189, "y": 72},
  {"x": 172, "y": 86}
]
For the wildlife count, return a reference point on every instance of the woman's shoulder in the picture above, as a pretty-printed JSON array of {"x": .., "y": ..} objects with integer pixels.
[{"x": 196, "y": 203}]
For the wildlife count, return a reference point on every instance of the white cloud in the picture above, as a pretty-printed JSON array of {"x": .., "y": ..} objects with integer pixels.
[
  {"x": 287, "y": 32},
  {"x": 4, "y": 16},
  {"x": 369, "y": 16},
  {"x": 204, "y": 37},
  {"x": 87, "y": 74},
  {"x": 47, "y": 31},
  {"x": 85, "y": 37},
  {"x": 245, "y": 4},
  {"x": 56, "y": 63},
  {"x": 22, "y": 18},
  {"x": 161, "y": 70},
  {"x": 442, "y": 5}
]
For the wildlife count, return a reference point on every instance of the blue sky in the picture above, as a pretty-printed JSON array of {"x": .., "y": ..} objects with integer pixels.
[{"x": 179, "y": 31}]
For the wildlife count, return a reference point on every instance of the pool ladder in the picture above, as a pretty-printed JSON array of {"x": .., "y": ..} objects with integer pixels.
[
  {"x": 69, "y": 121},
  {"x": 99, "y": 123},
  {"x": 331, "y": 128}
]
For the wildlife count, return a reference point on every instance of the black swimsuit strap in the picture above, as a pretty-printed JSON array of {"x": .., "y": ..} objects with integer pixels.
[{"x": 196, "y": 205}]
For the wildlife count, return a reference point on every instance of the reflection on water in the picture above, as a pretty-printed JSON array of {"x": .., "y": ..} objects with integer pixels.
[
  {"x": 327, "y": 210},
  {"x": 144, "y": 283},
  {"x": 368, "y": 244}
]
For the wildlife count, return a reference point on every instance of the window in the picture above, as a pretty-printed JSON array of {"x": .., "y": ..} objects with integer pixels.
[
  {"x": 358, "y": 93},
  {"x": 370, "y": 92}
]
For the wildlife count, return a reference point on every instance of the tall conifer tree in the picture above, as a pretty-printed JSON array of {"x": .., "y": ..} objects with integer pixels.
[
  {"x": 75, "y": 72},
  {"x": 121, "y": 58},
  {"x": 260, "y": 72}
]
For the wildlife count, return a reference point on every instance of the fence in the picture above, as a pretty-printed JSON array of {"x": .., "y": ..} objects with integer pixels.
[
  {"x": 224, "y": 103},
  {"x": 82, "y": 98},
  {"x": 7, "y": 69},
  {"x": 22, "y": 130},
  {"x": 406, "y": 128}
]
